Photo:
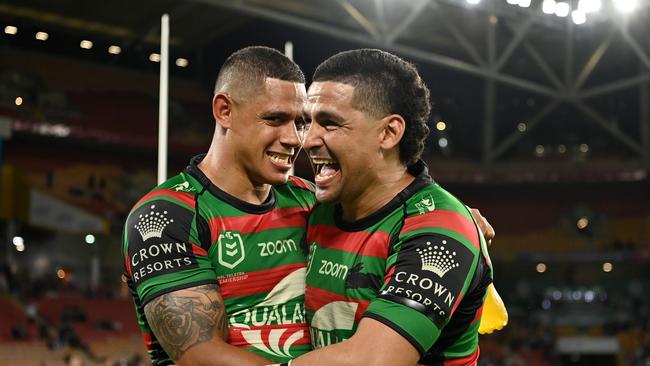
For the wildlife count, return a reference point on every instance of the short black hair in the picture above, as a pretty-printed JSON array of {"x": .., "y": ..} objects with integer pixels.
[
  {"x": 245, "y": 70},
  {"x": 384, "y": 84}
]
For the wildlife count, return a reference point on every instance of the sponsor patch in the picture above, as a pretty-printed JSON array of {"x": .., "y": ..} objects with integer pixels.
[
  {"x": 158, "y": 235},
  {"x": 429, "y": 275}
]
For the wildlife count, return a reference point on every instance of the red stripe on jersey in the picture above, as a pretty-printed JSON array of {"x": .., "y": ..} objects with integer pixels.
[
  {"x": 278, "y": 218},
  {"x": 374, "y": 244},
  {"x": 478, "y": 315},
  {"x": 389, "y": 274},
  {"x": 198, "y": 250},
  {"x": 236, "y": 338},
  {"x": 128, "y": 264},
  {"x": 255, "y": 282},
  {"x": 186, "y": 198},
  {"x": 470, "y": 360},
  {"x": 315, "y": 298},
  {"x": 300, "y": 183},
  {"x": 460, "y": 297},
  {"x": 147, "y": 340},
  {"x": 444, "y": 219}
]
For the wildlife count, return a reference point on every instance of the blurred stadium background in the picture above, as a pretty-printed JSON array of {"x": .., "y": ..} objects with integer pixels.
[{"x": 541, "y": 119}]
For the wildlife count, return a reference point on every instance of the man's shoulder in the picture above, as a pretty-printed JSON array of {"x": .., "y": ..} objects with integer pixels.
[
  {"x": 178, "y": 190},
  {"x": 433, "y": 197},
  {"x": 296, "y": 191}
]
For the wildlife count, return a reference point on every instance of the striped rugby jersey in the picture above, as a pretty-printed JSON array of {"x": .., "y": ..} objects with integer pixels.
[
  {"x": 255, "y": 252},
  {"x": 418, "y": 265}
]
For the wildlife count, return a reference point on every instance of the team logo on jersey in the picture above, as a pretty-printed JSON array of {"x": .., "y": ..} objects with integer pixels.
[
  {"x": 183, "y": 187},
  {"x": 152, "y": 224},
  {"x": 426, "y": 205},
  {"x": 231, "y": 249},
  {"x": 437, "y": 259}
]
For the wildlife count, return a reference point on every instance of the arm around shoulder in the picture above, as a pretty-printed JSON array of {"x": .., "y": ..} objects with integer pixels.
[{"x": 190, "y": 324}]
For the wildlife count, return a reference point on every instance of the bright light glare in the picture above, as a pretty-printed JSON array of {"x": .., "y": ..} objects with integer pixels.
[
  {"x": 473, "y": 2},
  {"x": 18, "y": 240},
  {"x": 578, "y": 17},
  {"x": 42, "y": 36},
  {"x": 524, "y": 3},
  {"x": 182, "y": 62},
  {"x": 154, "y": 57},
  {"x": 513, "y": 2},
  {"x": 562, "y": 9},
  {"x": 441, "y": 126},
  {"x": 90, "y": 239},
  {"x": 548, "y": 6},
  {"x": 10, "y": 29},
  {"x": 443, "y": 142},
  {"x": 626, "y": 6},
  {"x": 589, "y": 6}
]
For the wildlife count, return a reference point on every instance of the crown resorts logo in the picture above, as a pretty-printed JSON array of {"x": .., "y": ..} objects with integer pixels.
[
  {"x": 152, "y": 224},
  {"x": 437, "y": 259}
]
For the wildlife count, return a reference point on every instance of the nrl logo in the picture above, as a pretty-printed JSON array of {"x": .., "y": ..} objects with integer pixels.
[
  {"x": 426, "y": 205},
  {"x": 231, "y": 249},
  {"x": 152, "y": 224},
  {"x": 437, "y": 259}
]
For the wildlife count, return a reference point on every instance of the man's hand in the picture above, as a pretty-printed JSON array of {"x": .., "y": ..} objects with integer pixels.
[
  {"x": 483, "y": 224},
  {"x": 190, "y": 324}
]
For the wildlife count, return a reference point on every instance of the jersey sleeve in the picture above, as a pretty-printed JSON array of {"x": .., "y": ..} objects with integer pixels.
[
  {"x": 427, "y": 278},
  {"x": 161, "y": 253}
]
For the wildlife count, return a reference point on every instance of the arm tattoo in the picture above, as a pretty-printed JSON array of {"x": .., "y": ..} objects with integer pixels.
[{"x": 185, "y": 318}]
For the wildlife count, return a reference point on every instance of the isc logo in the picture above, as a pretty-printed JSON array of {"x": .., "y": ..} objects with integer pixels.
[{"x": 277, "y": 247}]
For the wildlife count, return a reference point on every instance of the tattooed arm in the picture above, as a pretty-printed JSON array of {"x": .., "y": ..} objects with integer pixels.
[{"x": 190, "y": 324}]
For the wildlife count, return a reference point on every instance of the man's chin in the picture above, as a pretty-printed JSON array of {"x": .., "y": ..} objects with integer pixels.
[{"x": 326, "y": 196}]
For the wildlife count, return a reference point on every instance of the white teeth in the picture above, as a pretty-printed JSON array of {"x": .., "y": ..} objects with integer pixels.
[
  {"x": 324, "y": 161},
  {"x": 283, "y": 159}
]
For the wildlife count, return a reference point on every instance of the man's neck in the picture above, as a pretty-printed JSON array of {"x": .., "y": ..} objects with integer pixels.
[
  {"x": 388, "y": 185},
  {"x": 224, "y": 173}
]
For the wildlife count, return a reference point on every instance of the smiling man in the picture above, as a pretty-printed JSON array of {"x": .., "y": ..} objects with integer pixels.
[
  {"x": 213, "y": 256},
  {"x": 398, "y": 269}
]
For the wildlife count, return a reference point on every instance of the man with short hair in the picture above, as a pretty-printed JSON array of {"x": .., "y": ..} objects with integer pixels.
[
  {"x": 213, "y": 255},
  {"x": 398, "y": 269}
]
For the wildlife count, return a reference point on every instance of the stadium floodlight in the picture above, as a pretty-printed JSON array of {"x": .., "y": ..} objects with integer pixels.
[
  {"x": 10, "y": 29},
  {"x": 114, "y": 50},
  {"x": 441, "y": 126},
  {"x": 154, "y": 57},
  {"x": 473, "y": 2},
  {"x": 562, "y": 9},
  {"x": 589, "y": 6},
  {"x": 86, "y": 44},
  {"x": 512, "y": 2},
  {"x": 524, "y": 3},
  {"x": 90, "y": 239},
  {"x": 18, "y": 241},
  {"x": 443, "y": 142},
  {"x": 42, "y": 36},
  {"x": 549, "y": 6},
  {"x": 578, "y": 17},
  {"x": 626, "y": 6}
]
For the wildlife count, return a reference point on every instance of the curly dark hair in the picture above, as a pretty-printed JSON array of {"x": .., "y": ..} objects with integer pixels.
[
  {"x": 384, "y": 84},
  {"x": 246, "y": 69}
]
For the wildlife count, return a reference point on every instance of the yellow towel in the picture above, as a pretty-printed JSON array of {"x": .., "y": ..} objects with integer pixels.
[{"x": 495, "y": 315}]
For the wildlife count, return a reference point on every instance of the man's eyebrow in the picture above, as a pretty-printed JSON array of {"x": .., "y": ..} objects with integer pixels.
[{"x": 327, "y": 114}]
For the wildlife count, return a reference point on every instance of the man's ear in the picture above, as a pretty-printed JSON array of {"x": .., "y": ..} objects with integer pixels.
[
  {"x": 392, "y": 131},
  {"x": 222, "y": 106}
]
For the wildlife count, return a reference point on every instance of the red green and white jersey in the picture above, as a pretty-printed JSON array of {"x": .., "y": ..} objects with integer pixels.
[
  {"x": 256, "y": 254},
  {"x": 418, "y": 265}
]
